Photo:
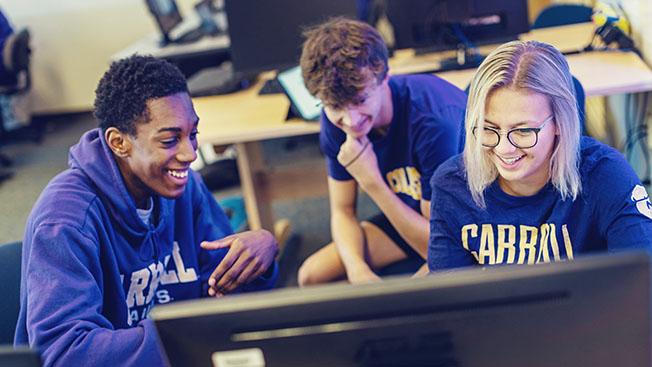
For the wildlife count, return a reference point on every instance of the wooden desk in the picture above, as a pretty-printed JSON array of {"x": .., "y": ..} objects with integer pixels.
[
  {"x": 600, "y": 72},
  {"x": 245, "y": 118},
  {"x": 189, "y": 57}
]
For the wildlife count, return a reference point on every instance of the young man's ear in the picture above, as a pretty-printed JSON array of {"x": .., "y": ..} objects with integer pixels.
[
  {"x": 119, "y": 142},
  {"x": 386, "y": 80}
]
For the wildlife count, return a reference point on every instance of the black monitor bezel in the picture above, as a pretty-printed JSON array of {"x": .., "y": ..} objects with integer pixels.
[{"x": 460, "y": 299}]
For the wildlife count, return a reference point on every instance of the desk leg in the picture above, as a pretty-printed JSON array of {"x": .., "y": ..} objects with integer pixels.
[{"x": 257, "y": 202}]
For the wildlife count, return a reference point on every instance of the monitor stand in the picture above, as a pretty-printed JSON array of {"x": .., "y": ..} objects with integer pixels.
[
  {"x": 218, "y": 80},
  {"x": 271, "y": 86},
  {"x": 189, "y": 36},
  {"x": 465, "y": 58}
]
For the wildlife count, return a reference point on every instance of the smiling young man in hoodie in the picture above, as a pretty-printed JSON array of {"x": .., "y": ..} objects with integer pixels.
[{"x": 129, "y": 226}]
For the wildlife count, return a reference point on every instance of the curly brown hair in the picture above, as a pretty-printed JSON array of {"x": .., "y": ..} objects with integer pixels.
[{"x": 338, "y": 59}]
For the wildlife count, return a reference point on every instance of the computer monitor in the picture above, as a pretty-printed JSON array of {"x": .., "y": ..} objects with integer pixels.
[
  {"x": 267, "y": 35},
  {"x": 437, "y": 25},
  {"x": 22, "y": 356},
  {"x": 594, "y": 311},
  {"x": 167, "y": 16}
]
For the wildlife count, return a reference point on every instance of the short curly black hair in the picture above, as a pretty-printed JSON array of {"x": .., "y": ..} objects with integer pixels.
[{"x": 122, "y": 93}]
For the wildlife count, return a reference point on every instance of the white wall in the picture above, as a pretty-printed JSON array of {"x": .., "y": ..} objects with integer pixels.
[
  {"x": 72, "y": 41},
  {"x": 639, "y": 13}
]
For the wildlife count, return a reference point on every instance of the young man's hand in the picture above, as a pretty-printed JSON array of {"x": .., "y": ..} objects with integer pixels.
[
  {"x": 250, "y": 254},
  {"x": 359, "y": 159}
]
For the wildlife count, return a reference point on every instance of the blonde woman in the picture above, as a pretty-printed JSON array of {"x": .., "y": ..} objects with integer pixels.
[{"x": 527, "y": 188}]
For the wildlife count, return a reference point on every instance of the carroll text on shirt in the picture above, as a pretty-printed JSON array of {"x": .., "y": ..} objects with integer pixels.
[
  {"x": 144, "y": 284},
  {"x": 406, "y": 180},
  {"x": 498, "y": 243}
]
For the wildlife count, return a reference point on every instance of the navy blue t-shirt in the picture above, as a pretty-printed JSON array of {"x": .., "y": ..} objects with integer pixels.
[
  {"x": 423, "y": 133},
  {"x": 612, "y": 212}
]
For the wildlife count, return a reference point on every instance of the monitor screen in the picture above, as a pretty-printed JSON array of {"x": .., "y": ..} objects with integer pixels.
[
  {"x": 594, "y": 311},
  {"x": 267, "y": 35},
  {"x": 166, "y": 14},
  {"x": 305, "y": 105},
  {"x": 445, "y": 24}
]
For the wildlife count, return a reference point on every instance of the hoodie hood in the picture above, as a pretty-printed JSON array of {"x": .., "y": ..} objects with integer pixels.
[{"x": 93, "y": 157}]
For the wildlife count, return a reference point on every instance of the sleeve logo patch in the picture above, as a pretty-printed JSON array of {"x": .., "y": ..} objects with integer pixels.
[{"x": 642, "y": 200}]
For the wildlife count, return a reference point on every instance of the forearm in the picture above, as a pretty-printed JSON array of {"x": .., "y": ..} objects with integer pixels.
[
  {"x": 410, "y": 224},
  {"x": 349, "y": 241}
]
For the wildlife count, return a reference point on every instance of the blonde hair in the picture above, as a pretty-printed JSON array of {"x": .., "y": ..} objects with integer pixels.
[{"x": 535, "y": 67}]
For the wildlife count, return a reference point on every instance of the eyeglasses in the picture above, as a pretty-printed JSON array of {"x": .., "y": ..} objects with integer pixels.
[{"x": 521, "y": 137}]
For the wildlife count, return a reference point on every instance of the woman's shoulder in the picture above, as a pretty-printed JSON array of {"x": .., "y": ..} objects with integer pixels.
[
  {"x": 604, "y": 171},
  {"x": 451, "y": 172},
  {"x": 599, "y": 158}
]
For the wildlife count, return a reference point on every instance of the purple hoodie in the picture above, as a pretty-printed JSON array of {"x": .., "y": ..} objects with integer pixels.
[{"x": 92, "y": 269}]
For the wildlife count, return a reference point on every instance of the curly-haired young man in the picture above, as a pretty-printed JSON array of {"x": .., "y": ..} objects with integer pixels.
[
  {"x": 129, "y": 226},
  {"x": 384, "y": 134}
]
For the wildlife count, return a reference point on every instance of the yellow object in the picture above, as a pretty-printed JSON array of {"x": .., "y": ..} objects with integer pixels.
[{"x": 605, "y": 12}]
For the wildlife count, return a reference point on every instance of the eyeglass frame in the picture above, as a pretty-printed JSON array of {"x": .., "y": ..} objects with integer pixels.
[{"x": 500, "y": 133}]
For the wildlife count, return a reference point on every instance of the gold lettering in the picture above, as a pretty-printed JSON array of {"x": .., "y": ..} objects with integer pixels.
[
  {"x": 528, "y": 242},
  {"x": 414, "y": 179},
  {"x": 553, "y": 242},
  {"x": 487, "y": 248},
  {"x": 506, "y": 241},
  {"x": 544, "y": 255},
  {"x": 473, "y": 229},
  {"x": 394, "y": 181},
  {"x": 402, "y": 177},
  {"x": 567, "y": 242}
]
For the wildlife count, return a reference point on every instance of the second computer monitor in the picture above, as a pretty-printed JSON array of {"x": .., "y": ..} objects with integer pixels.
[
  {"x": 447, "y": 24},
  {"x": 594, "y": 311},
  {"x": 267, "y": 35}
]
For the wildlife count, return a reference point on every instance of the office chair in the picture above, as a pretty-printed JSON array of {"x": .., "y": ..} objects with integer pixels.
[
  {"x": 10, "y": 257},
  {"x": 562, "y": 14},
  {"x": 581, "y": 101},
  {"x": 15, "y": 58}
]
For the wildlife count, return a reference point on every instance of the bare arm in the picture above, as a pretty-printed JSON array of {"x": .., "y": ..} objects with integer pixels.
[
  {"x": 414, "y": 227},
  {"x": 346, "y": 231},
  {"x": 411, "y": 225}
]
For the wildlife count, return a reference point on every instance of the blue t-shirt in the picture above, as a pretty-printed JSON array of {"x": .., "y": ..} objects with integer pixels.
[
  {"x": 612, "y": 212},
  {"x": 423, "y": 133}
]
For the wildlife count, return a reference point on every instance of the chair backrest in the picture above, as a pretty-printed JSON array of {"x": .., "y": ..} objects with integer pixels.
[
  {"x": 581, "y": 101},
  {"x": 10, "y": 255},
  {"x": 562, "y": 14},
  {"x": 16, "y": 57}
]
